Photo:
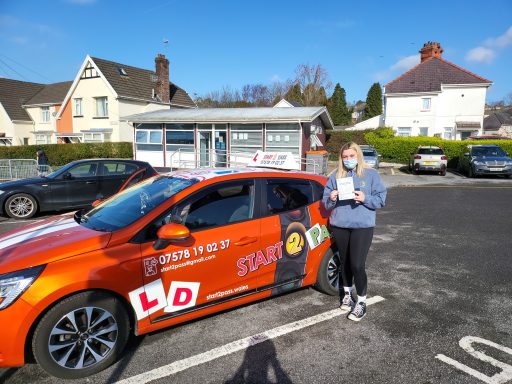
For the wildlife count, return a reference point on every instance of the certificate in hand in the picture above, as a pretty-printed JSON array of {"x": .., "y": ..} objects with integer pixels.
[{"x": 345, "y": 188}]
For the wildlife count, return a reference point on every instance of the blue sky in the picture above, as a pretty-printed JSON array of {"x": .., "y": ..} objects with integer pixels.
[{"x": 213, "y": 44}]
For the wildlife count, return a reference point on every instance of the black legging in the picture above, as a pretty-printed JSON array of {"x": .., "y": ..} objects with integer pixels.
[{"x": 353, "y": 245}]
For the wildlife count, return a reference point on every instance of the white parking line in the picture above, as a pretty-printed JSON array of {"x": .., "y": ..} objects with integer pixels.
[{"x": 235, "y": 346}]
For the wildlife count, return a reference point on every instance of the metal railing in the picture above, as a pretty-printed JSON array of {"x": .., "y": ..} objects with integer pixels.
[
  {"x": 225, "y": 159},
  {"x": 14, "y": 169}
]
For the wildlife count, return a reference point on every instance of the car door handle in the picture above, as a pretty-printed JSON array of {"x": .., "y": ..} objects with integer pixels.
[
  {"x": 246, "y": 240},
  {"x": 90, "y": 182}
]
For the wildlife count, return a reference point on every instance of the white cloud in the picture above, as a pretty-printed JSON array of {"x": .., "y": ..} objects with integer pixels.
[
  {"x": 487, "y": 52},
  {"x": 402, "y": 65},
  {"x": 406, "y": 63},
  {"x": 501, "y": 41},
  {"x": 18, "y": 40},
  {"x": 481, "y": 54}
]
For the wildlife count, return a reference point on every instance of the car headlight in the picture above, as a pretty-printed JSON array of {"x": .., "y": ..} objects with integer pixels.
[
  {"x": 13, "y": 284},
  {"x": 479, "y": 163}
]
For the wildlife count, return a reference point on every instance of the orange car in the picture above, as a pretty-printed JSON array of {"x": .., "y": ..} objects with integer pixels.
[{"x": 172, "y": 248}]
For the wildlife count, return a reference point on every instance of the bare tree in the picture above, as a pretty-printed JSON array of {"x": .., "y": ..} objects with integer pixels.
[{"x": 312, "y": 80}]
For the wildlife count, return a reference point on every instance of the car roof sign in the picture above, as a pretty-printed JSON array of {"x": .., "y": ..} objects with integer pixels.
[{"x": 276, "y": 160}]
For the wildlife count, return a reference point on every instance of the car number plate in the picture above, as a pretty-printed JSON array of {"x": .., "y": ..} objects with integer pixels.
[
  {"x": 496, "y": 169},
  {"x": 429, "y": 162}
]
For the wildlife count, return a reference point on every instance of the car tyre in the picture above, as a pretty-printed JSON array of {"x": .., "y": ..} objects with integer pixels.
[
  {"x": 471, "y": 173},
  {"x": 21, "y": 206},
  {"x": 81, "y": 335},
  {"x": 328, "y": 278}
]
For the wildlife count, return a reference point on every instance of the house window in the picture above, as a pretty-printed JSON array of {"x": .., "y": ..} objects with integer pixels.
[
  {"x": 179, "y": 137},
  {"x": 448, "y": 133},
  {"x": 246, "y": 137},
  {"x": 425, "y": 104},
  {"x": 78, "y": 107},
  {"x": 283, "y": 138},
  {"x": 42, "y": 139},
  {"x": 423, "y": 131},
  {"x": 45, "y": 114},
  {"x": 403, "y": 131},
  {"x": 101, "y": 107},
  {"x": 90, "y": 137},
  {"x": 148, "y": 137}
]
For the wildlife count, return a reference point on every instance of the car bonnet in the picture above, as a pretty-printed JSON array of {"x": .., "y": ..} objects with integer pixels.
[{"x": 46, "y": 241}]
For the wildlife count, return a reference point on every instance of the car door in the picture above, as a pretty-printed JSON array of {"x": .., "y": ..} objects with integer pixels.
[
  {"x": 284, "y": 225},
  {"x": 77, "y": 187},
  {"x": 216, "y": 263},
  {"x": 112, "y": 176}
]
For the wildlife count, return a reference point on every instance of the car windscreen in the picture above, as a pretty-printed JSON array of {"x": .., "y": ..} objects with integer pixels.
[
  {"x": 430, "y": 151},
  {"x": 133, "y": 203},
  {"x": 369, "y": 153},
  {"x": 489, "y": 152}
]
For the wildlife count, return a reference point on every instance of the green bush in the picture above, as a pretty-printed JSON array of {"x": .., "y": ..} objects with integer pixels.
[
  {"x": 398, "y": 149},
  {"x": 60, "y": 154}
]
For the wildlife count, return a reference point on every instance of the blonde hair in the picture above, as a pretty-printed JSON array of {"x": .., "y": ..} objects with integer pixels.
[{"x": 361, "y": 165}]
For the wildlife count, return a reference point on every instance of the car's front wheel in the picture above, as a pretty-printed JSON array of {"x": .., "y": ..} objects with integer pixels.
[
  {"x": 471, "y": 173},
  {"x": 328, "y": 275},
  {"x": 21, "y": 206},
  {"x": 81, "y": 335}
]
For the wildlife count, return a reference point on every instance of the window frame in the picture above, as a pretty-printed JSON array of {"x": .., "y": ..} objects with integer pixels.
[
  {"x": 98, "y": 101},
  {"x": 78, "y": 107},
  {"x": 426, "y": 104},
  {"x": 45, "y": 114}
]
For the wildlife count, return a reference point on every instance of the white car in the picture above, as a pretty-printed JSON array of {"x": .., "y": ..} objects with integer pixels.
[{"x": 428, "y": 158}]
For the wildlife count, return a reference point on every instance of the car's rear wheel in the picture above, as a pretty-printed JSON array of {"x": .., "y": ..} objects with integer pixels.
[
  {"x": 328, "y": 275},
  {"x": 21, "y": 206},
  {"x": 81, "y": 335}
]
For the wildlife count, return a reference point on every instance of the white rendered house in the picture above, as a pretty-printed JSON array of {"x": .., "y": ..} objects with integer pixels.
[{"x": 436, "y": 98}]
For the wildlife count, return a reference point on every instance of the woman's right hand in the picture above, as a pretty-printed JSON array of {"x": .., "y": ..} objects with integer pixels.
[{"x": 334, "y": 195}]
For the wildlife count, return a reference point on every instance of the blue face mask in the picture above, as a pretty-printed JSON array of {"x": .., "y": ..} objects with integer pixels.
[{"x": 350, "y": 164}]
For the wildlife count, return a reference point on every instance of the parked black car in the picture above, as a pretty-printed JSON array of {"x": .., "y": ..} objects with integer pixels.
[
  {"x": 75, "y": 185},
  {"x": 487, "y": 159}
]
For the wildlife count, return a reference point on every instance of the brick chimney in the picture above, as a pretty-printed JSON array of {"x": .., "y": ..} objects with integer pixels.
[
  {"x": 162, "y": 82},
  {"x": 431, "y": 49}
]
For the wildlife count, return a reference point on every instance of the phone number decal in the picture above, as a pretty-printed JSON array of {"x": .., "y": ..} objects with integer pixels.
[{"x": 200, "y": 250}]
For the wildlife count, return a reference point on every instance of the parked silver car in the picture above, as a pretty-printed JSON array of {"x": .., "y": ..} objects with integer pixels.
[
  {"x": 428, "y": 158},
  {"x": 371, "y": 156}
]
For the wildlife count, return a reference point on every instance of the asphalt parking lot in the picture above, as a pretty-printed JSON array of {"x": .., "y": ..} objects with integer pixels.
[{"x": 439, "y": 280}]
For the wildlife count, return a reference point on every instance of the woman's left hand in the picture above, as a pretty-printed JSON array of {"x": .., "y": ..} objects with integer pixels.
[{"x": 359, "y": 196}]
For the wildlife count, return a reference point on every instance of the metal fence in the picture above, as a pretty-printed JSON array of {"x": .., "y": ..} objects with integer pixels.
[
  {"x": 221, "y": 158},
  {"x": 14, "y": 169}
]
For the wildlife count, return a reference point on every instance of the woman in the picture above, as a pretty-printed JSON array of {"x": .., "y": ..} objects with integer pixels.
[
  {"x": 42, "y": 162},
  {"x": 352, "y": 222}
]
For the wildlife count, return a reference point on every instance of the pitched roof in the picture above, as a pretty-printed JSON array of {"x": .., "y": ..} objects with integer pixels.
[
  {"x": 233, "y": 115},
  {"x": 497, "y": 119},
  {"x": 51, "y": 94},
  {"x": 139, "y": 83},
  {"x": 15, "y": 93},
  {"x": 429, "y": 75}
]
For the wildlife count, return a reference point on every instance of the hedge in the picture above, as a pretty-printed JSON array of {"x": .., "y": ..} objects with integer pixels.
[
  {"x": 398, "y": 149},
  {"x": 60, "y": 154}
]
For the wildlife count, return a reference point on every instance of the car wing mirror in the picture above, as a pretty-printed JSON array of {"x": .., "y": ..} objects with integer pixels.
[
  {"x": 67, "y": 176},
  {"x": 95, "y": 203},
  {"x": 466, "y": 154},
  {"x": 171, "y": 233}
]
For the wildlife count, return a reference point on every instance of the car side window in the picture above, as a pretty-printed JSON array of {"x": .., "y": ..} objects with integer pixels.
[
  {"x": 224, "y": 204},
  {"x": 285, "y": 195},
  {"x": 118, "y": 168},
  {"x": 83, "y": 170}
]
